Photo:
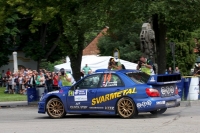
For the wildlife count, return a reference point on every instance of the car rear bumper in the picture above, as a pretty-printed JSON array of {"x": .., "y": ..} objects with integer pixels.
[
  {"x": 154, "y": 103},
  {"x": 41, "y": 107}
]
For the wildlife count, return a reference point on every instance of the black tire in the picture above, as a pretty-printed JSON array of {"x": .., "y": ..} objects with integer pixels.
[
  {"x": 55, "y": 108},
  {"x": 126, "y": 108},
  {"x": 158, "y": 111}
]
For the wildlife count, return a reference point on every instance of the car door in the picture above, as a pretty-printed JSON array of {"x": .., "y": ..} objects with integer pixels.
[
  {"x": 84, "y": 91},
  {"x": 111, "y": 87}
]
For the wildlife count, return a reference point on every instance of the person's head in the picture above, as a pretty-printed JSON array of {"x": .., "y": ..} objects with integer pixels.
[
  {"x": 30, "y": 73},
  {"x": 41, "y": 74},
  {"x": 170, "y": 68},
  {"x": 86, "y": 65},
  {"x": 112, "y": 60},
  {"x": 176, "y": 68},
  {"x": 142, "y": 58},
  {"x": 62, "y": 71}
]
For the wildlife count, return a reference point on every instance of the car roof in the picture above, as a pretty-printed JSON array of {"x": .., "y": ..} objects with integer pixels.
[{"x": 116, "y": 71}]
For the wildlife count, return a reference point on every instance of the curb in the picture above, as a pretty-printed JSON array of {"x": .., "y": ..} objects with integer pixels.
[{"x": 16, "y": 104}]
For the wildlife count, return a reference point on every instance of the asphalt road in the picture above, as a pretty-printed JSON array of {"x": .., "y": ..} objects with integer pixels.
[{"x": 27, "y": 120}]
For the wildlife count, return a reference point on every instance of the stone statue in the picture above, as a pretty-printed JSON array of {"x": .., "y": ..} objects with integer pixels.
[
  {"x": 147, "y": 39},
  {"x": 147, "y": 43}
]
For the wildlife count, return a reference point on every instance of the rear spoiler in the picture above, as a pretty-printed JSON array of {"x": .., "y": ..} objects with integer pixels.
[{"x": 164, "y": 79}]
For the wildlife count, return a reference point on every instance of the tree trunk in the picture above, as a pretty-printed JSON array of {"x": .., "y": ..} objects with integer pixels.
[
  {"x": 43, "y": 31},
  {"x": 76, "y": 58},
  {"x": 160, "y": 35}
]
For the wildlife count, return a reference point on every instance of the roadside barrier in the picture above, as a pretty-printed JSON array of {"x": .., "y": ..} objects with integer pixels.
[
  {"x": 189, "y": 88},
  {"x": 34, "y": 94},
  {"x": 31, "y": 95}
]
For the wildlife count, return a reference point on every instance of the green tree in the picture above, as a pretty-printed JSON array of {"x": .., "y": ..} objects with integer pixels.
[
  {"x": 166, "y": 15},
  {"x": 71, "y": 20},
  {"x": 126, "y": 40},
  {"x": 184, "y": 56},
  {"x": 8, "y": 38}
]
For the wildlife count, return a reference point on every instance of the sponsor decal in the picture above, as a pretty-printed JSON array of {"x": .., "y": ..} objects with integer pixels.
[
  {"x": 152, "y": 79},
  {"x": 178, "y": 100},
  {"x": 109, "y": 108},
  {"x": 80, "y": 95},
  {"x": 170, "y": 103},
  {"x": 112, "y": 83},
  {"x": 167, "y": 91},
  {"x": 160, "y": 102},
  {"x": 78, "y": 103},
  {"x": 144, "y": 104},
  {"x": 70, "y": 93},
  {"x": 53, "y": 92},
  {"x": 78, "y": 107},
  {"x": 112, "y": 96},
  {"x": 96, "y": 107}
]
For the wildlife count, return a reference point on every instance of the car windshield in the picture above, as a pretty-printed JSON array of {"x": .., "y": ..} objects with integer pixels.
[{"x": 138, "y": 77}]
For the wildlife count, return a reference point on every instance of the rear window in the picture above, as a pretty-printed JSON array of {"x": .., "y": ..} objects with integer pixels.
[{"x": 138, "y": 77}]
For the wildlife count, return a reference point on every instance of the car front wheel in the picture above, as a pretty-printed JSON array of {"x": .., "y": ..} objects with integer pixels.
[
  {"x": 126, "y": 108},
  {"x": 55, "y": 108}
]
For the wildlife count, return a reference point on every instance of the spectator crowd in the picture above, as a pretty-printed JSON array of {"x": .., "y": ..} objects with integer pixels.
[{"x": 19, "y": 82}]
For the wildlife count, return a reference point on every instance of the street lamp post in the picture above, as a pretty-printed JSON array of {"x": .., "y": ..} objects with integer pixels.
[{"x": 172, "y": 46}]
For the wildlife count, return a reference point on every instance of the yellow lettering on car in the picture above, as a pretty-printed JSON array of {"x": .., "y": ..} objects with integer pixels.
[
  {"x": 102, "y": 99},
  {"x": 112, "y": 96},
  {"x": 129, "y": 91},
  {"x": 119, "y": 94},
  {"x": 124, "y": 92},
  {"x": 134, "y": 90},
  {"x": 98, "y": 100},
  {"x": 93, "y": 101},
  {"x": 107, "y": 97}
]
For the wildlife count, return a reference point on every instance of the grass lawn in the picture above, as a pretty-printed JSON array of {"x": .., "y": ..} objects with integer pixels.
[{"x": 11, "y": 97}]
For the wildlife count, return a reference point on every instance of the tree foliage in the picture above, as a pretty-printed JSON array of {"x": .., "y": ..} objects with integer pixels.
[
  {"x": 167, "y": 16},
  {"x": 51, "y": 29},
  {"x": 8, "y": 38},
  {"x": 57, "y": 23},
  {"x": 126, "y": 40}
]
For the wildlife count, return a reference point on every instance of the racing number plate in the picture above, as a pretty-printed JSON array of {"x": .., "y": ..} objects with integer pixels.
[{"x": 170, "y": 103}]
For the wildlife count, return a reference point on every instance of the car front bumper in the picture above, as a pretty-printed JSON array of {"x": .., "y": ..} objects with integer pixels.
[{"x": 41, "y": 107}]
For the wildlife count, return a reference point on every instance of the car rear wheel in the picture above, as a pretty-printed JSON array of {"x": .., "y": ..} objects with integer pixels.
[
  {"x": 55, "y": 108},
  {"x": 158, "y": 111},
  {"x": 126, "y": 108}
]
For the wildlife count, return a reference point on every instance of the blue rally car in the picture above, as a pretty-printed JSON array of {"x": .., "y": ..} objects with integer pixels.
[{"x": 123, "y": 92}]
